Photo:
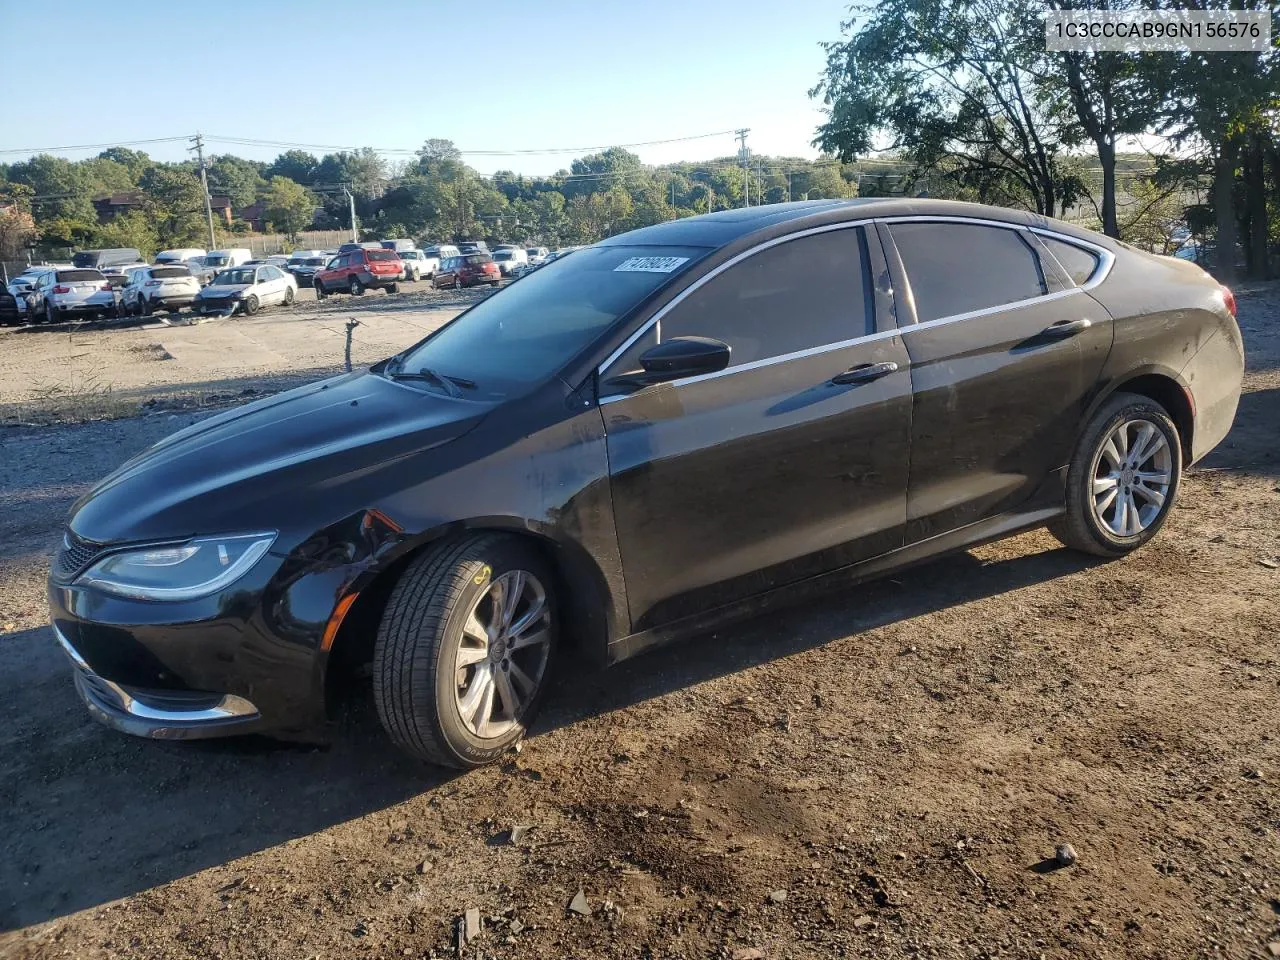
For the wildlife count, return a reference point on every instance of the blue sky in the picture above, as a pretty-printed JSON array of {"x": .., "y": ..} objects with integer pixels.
[{"x": 519, "y": 74}]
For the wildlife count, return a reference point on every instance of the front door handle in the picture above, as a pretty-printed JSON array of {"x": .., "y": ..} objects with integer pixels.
[
  {"x": 866, "y": 372},
  {"x": 1067, "y": 328}
]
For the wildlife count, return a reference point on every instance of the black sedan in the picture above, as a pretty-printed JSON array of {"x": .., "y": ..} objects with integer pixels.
[{"x": 670, "y": 429}]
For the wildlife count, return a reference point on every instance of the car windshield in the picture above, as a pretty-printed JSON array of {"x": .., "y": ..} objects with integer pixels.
[
  {"x": 169, "y": 272},
  {"x": 503, "y": 255},
  {"x": 408, "y": 254},
  {"x": 219, "y": 260},
  {"x": 71, "y": 276},
  {"x": 381, "y": 255},
  {"x": 316, "y": 261},
  {"x": 517, "y": 337},
  {"x": 474, "y": 258},
  {"x": 234, "y": 276}
]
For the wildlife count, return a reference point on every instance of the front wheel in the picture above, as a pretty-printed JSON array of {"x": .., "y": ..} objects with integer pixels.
[
  {"x": 1123, "y": 478},
  {"x": 320, "y": 293},
  {"x": 464, "y": 648},
  {"x": 251, "y": 304}
]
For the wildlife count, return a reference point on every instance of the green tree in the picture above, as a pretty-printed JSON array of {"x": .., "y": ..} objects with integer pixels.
[
  {"x": 174, "y": 205},
  {"x": 134, "y": 161},
  {"x": 953, "y": 85},
  {"x": 290, "y": 207},
  {"x": 133, "y": 229},
  {"x": 237, "y": 179},
  {"x": 298, "y": 165}
]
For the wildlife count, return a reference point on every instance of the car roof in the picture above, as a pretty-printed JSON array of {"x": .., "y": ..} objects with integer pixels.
[{"x": 725, "y": 226}]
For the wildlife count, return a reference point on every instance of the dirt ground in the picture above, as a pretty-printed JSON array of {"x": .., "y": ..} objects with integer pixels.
[
  {"x": 883, "y": 773},
  {"x": 74, "y": 373}
]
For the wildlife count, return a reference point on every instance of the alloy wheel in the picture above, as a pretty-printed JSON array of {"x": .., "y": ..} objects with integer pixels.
[
  {"x": 502, "y": 655},
  {"x": 1132, "y": 475}
]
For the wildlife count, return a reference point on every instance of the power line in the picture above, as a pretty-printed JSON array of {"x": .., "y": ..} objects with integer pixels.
[
  {"x": 410, "y": 151},
  {"x": 93, "y": 146}
]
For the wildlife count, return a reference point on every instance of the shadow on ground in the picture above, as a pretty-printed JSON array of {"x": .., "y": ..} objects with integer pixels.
[{"x": 90, "y": 815}]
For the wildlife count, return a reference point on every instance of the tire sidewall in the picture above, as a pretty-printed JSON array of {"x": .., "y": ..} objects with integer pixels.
[
  {"x": 469, "y": 749},
  {"x": 1123, "y": 409}
]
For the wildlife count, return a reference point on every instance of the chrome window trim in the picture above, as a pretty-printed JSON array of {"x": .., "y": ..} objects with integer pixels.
[{"x": 1106, "y": 261}]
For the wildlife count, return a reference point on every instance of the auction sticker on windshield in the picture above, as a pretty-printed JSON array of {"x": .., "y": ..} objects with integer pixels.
[{"x": 649, "y": 264}]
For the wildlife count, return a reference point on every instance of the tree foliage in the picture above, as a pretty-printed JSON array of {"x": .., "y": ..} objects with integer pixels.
[{"x": 290, "y": 207}]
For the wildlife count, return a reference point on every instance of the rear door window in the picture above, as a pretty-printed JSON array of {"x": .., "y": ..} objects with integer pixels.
[{"x": 956, "y": 268}]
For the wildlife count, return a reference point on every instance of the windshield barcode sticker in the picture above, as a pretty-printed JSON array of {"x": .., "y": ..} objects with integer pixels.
[{"x": 650, "y": 264}]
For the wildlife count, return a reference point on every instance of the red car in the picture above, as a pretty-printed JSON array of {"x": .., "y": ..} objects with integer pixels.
[
  {"x": 468, "y": 270},
  {"x": 359, "y": 270}
]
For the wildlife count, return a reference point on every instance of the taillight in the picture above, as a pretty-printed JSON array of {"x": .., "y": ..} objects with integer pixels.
[
  {"x": 61, "y": 289},
  {"x": 105, "y": 286},
  {"x": 1229, "y": 299}
]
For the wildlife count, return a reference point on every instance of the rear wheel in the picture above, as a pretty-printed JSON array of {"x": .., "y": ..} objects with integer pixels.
[
  {"x": 355, "y": 287},
  {"x": 288, "y": 295},
  {"x": 464, "y": 649},
  {"x": 393, "y": 288},
  {"x": 1123, "y": 478},
  {"x": 50, "y": 313}
]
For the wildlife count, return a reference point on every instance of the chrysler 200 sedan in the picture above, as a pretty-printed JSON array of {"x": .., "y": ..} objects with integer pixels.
[{"x": 669, "y": 429}]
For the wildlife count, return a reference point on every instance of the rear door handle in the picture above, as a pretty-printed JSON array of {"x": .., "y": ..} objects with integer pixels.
[
  {"x": 866, "y": 372},
  {"x": 1066, "y": 328}
]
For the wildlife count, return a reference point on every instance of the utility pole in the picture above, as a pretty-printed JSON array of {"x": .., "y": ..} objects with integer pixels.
[
  {"x": 788, "y": 186},
  {"x": 351, "y": 198},
  {"x": 198, "y": 140},
  {"x": 743, "y": 154}
]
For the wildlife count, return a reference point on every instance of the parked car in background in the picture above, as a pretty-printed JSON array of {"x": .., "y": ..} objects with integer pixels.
[
  {"x": 118, "y": 274},
  {"x": 440, "y": 252},
  {"x": 473, "y": 246},
  {"x": 246, "y": 289},
  {"x": 71, "y": 293},
  {"x": 364, "y": 245},
  {"x": 279, "y": 260},
  {"x": 536, "y": 254},
  {"x": 509, "y": 258},
  {"x": 359, "y": 270},
  {"x": 417, "y": 265},
  {"x": 467, "y": 270},
  {"x": 399, "y": 245},
  {"x": 658, "y": 435},
  {"x": 10, "y": 314},
  {"x": 111, "y": 257},
  {"x": 182, "y": 255},
  {"x": 217, "y": 260},
  {"x": 161, "y": 287},
  {"x": 301, "y": 256},
  {"x": 305, "y": 270},
  {"x": 22, "y": 284}
]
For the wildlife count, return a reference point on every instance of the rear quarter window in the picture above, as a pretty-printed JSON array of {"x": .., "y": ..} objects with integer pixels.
[{"x": 1080, "y": 264}]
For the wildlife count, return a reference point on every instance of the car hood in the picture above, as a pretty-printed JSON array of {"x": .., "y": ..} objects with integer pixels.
[
  {"x": 249, "y": 468},
  {"x": 226, "y": 289}
]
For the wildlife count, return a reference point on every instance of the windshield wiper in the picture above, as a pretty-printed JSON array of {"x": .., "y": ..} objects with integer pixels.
[{"x": 450, "y": 384}]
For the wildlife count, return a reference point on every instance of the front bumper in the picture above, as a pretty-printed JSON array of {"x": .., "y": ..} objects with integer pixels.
[{"x": 158, "y": 714}]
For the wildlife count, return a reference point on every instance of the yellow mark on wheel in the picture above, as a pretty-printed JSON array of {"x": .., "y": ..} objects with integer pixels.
[{"x": 483, "y": 576}]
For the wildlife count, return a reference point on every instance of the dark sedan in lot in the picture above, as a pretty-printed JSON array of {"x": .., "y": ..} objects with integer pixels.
[
  {"x": 673, "y": 428},
  {"x": 468, "y": 270}
]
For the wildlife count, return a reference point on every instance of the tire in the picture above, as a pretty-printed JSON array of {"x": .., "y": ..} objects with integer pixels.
[
  {"x": 393, "y": 288},
  {"x": 1103, "y": 463},
  {"x": 288, "y": 296},
  {"x": 355, "y": 287},
  {"x": 144, "y": 308},
  {"x": 320, "y": 294},
  {"x": 251, "y": 304},
  {"x": 419, "y": 688},
  {"x": 50, "y": 313}
]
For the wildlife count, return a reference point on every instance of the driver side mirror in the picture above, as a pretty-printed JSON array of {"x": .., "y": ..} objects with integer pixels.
[{"x": 678, "y": 358}]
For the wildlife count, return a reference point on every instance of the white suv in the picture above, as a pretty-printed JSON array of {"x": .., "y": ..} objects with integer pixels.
[
  {"x": 162, "y": 287},
  {"x": 72, "y": 292}
]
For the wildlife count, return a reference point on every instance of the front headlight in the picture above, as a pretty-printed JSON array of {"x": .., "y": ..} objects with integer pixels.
[{"x": 180, "y": 571}]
